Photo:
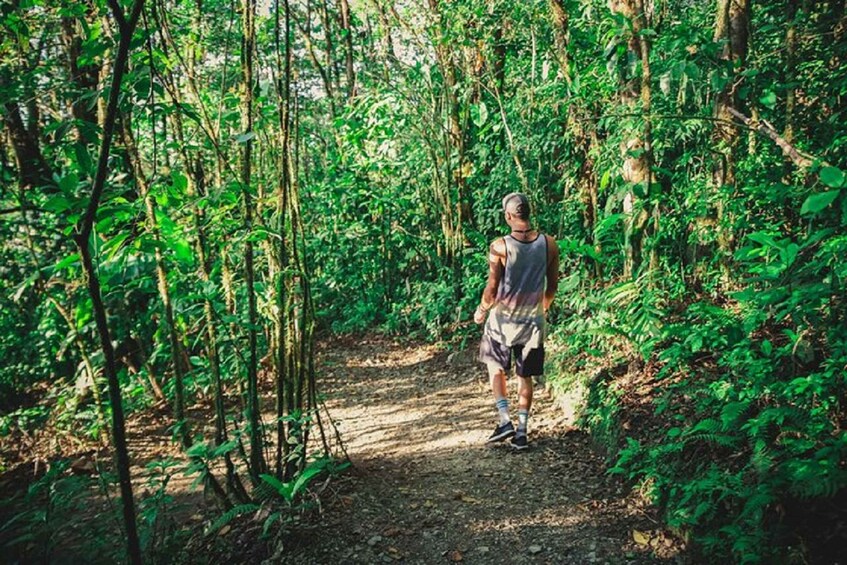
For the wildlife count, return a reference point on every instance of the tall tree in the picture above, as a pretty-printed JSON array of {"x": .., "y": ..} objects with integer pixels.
[
  {"x": 248, "y": 46},
  {"x": 732, "y": 32},
  {"x": 347, "y": 30},
  {"x": 126, "y": 25},
  {"x": 636, "y": 147}
]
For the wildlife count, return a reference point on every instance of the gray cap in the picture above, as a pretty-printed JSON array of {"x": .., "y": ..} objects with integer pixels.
[{"x": 519, "y": 203}]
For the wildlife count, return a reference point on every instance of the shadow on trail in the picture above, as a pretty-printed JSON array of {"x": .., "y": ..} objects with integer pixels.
[
  {"x": 426, "y": 489},
  {"x": 551, "y": 504}
]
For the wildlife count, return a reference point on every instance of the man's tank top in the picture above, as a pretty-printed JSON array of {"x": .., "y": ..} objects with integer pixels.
[{"x": 517, "y": 317}]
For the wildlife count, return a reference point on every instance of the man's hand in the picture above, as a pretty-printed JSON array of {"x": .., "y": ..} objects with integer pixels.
[{"x": 479, "y": 315}]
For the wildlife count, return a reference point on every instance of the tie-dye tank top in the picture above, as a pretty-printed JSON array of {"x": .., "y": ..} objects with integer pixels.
[{"x": 517, "y": 317}]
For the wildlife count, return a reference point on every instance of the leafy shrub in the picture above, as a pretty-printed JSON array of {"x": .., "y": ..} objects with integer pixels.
[{"x": 746, "y": 403}]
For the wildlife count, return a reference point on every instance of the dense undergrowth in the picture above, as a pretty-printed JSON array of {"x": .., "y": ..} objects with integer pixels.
[{"x": 728, "y": 414}]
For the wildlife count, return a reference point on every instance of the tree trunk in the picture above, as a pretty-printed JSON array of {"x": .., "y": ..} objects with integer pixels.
[
  {"x": 790, "y": 69},
  {"x": 84, "y": 233},
  {"x": 282, "y": 358},
  {"x": 635, "y": 150},
  {"x": 322, "y": 71},
  {"x": 83, "y": 77},
  {"x": 347, "y": 29},
  {"x": 641, "y": 22},
  {"x": 248, "y": 38},
  {"x": 732, "y": 27},
  {"x": 561, "y": 37},
  {"x": 455, "y": 144},
  {"x": 329, "y": 56},
  {"x": 161, "y": 278},
  {"x": 33, "y": 170}
]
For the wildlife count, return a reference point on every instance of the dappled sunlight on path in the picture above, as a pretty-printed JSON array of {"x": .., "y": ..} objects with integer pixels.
[{"x": 425, "y": 488}]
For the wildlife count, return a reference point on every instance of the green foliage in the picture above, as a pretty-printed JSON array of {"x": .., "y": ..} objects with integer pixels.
[
  {"x": 755, "y": 397},
  {"x": 291, "y": 490},
  {"x": 203, "y": 456},
  {"x": 230, "y": 515},
  {"x": 292, "y": 493},
  {"x": 717, "y": 274},
  {"x": 24, "y": 419},
  {"x": 160, "y": 533},
  {"x": 40, "y": 518}
]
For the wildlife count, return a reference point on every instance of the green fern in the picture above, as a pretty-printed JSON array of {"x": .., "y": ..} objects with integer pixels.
[
  {"x": 270, "y": 521},
  {"x": 230, "y": 515},
  {"x": 732, "y": 412},
  {"x": 717, "y": 439}
]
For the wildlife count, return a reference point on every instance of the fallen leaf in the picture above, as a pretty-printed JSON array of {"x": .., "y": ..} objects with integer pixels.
[
  {"x": 225, "y": 530},
  {"x": 455, "y": 556},
  {"x": 640, "y": 537},
  {"x": 470, "y": 499}
]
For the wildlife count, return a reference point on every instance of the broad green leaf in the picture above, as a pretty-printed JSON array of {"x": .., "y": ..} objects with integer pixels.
[
  {"x": 764, "y": 239},
  {"x": 58, "y": 204},
  {"x": 270, "y": 522},
  {"x": 767, "y": 348},
  {"x": 83, "y": 158},
  {"x": 180, "y": 181},
  {"x": 479, "y": 114},
  {"x": 604, "y": 180},
  {"x": 768, "y": 99},
  {"x": 307, "y": 475},
  {"x": 272, "y": 481},
  {"x": 111, "y": 247},
  {"x": 224, "y": 448},
  {"x": 198, "y": 450},
  {"x": 66, "y": 262},
  {"x": 789, "y": 254},
  {"x": 832, "y": 177},
  {"x": 817, "y": 202},
  {"x": 182, "y": 250},
  {"x": 69, "y": 183}
]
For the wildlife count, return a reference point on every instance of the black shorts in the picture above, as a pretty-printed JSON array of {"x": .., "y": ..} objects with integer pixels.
[{"x": 528, "y": 363}]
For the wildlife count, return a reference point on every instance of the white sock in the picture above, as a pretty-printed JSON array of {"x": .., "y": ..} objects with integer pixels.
[
  {"x": 523, "y": 417},
  {"x": 502, "y": 405}
]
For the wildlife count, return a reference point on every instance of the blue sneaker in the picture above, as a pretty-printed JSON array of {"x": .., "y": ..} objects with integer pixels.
[
  {"x": 502, "y": 432},
  {"x": 520, "y": 442}
]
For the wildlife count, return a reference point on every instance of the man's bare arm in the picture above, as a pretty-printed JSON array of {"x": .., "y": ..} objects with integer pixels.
[
  {"x": 496, "y": 266},
  {"x": 552, "y": 272}
]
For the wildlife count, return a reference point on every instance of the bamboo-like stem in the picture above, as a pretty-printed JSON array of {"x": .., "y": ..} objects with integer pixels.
[
  {"x": 161, "y": 278},
  {"x": 82, "y": 237},
  {"x": 248, "y": 39}
]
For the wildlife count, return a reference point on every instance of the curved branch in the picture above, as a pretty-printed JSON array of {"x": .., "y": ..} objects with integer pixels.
[{"x": 799, "y": 158}]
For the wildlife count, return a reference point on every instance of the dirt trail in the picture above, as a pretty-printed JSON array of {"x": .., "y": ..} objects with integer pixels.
[{"x": 426, "y": 489}]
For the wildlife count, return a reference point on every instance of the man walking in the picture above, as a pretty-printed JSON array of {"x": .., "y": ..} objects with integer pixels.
[{"x": 523, "y": 270}]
